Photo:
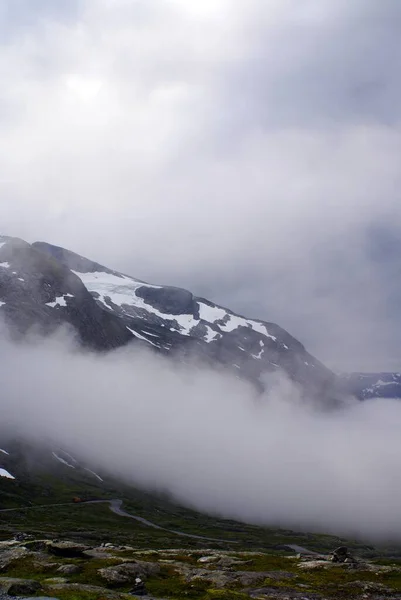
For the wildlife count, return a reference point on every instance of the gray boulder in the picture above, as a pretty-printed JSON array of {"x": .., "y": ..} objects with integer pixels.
[{"x": 128, "y": 572}]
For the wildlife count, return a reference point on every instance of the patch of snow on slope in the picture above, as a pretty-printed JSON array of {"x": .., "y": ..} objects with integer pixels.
[
  {"x": 2, "y": 244},
  {"x": 2, "y": 303},
  {"x": 62, "y": 460},
  {"x": 211, "y": 313},
  {"x": 4, "y": 473},
  {"x": 95, "y": 474},
  {"x": 380, "y": 383},
  {"x": 60, "y": 301},
  {"x": 5, "y": 265},
  {"x": 122, "y": 291},
  {"x": 4, "y": 452},
  {"x": 141, "y": 337},
  {"x": 211, "y": 335}
]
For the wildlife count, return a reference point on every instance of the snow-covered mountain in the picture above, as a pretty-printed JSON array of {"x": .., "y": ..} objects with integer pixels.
[
  {"x": 44, "y": 286},
  {"x": 374, "y": 385}
]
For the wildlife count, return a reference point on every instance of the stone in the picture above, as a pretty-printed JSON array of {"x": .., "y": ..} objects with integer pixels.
[
  {"x": 19, "y": 587},
  {"x": 69, "y": 569},
  {"x": 128, "y": 572},
  {"x": 67, "y": 549}
]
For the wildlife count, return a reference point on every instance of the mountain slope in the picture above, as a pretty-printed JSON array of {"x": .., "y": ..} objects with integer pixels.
[
  {"x": 171, "y": 319},
  {"x": 39, "y": 292}
]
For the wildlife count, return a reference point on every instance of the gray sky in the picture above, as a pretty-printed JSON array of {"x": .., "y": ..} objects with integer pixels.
[{"x": 246, "y": 149}]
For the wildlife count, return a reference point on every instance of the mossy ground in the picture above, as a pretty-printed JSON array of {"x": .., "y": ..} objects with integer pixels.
[{"x": 338, "y": 582}]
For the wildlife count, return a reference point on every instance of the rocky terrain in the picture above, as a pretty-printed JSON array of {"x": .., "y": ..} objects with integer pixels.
[{"x": 67, "y": 569}]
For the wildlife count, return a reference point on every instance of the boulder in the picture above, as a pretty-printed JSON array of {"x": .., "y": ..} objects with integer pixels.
[
  {"x": 69, "y": 569},
  {"x": 19, "y": 587},
  {"x": 8, "y": 555},
  {"x": 67, "y": 549},
  {"x": 128, "y": 572}
]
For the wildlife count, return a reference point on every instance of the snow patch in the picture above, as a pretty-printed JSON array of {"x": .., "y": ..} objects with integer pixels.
[
  {"x": 4, "y": 451},
  {"x": 2, "y": 244},
  {"x": 64, "y": 462},
  {"x": 95, "y": 474},
  {"x": 211, "y": 335},
  {"x": 2, "y": 303},
  {"x": 211, "y": 313},
  {"x": 60, "y": 301},
  {"x": 6, "y": 474},
  {"x": 141, "y": 337},
  {"x": 5, "y": 265}
]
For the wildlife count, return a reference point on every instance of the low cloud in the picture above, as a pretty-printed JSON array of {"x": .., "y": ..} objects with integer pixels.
[{"x": 207, "y": 439}]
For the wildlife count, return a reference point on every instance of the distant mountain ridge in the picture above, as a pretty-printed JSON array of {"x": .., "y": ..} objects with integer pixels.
[{"x": 373, "y": 385}]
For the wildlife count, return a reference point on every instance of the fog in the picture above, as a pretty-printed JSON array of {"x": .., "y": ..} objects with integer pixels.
[
  {"x": 246, "y": 150},
  {"x": 206, "y": 438}
]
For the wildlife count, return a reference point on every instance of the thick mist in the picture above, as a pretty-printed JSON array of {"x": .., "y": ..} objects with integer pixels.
[{"x": 208, "y": 439}]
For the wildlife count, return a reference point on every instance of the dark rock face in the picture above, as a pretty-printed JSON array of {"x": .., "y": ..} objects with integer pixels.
[
  {"x": 174, "y": 301},
  {"x": 37, "y": 292},
  {"x": 44, "y": 286}
]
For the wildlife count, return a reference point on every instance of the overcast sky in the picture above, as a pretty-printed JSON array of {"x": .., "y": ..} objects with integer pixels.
[{"x": 246, "y": 149}]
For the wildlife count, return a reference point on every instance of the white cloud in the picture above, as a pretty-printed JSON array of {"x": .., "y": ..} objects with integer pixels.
[{"x": 196, "y": 143}]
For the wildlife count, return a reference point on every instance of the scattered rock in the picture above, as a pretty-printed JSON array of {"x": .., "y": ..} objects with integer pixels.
[
  {"x": 342, "y": 555},
  {"x": 67, "y": 549},
  {"x": 69, "y": 569},
  {"x": 128, "y": 572},
  {"x": 207, "y": 559},
  {"x": 19, "y": 587}
]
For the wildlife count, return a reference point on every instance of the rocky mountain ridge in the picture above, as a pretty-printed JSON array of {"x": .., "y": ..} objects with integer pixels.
[{"x": 43, "y": 286}]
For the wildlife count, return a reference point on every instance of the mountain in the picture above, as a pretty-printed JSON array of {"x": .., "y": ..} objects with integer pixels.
[
  {"x": 43, "y": 287},
  {"x": 373, "y": 385},
  {"x": 171, "y": 320}
]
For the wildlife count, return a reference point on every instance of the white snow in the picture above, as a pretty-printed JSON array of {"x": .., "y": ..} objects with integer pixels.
[
  {"x": 62, "y": 460},
  {"x": 95, "y": 474},
  {"x": 211, "y": 313},
  {"x": 2, "y": 303},
  {"x": 4, "y": 473},
  {"x": 21, "y": 279},
  {"x": 5, "y": 265},
  {"x": 69, "y": 456},
  {"x": 121, "y": 291},
  {"x": 210, "y": 334},
  {"x": 4, "y": 451},
  {"x": 60, "y": 301},
  {"x": 258, "y": 355},
  {"x": 2, "y": 244},
  {"x": 380, "y": 382},
  {"x": 141, "y": 337}
]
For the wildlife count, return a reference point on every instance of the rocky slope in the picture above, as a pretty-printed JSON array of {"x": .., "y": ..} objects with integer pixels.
[{"x": 39, "y": 292}]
